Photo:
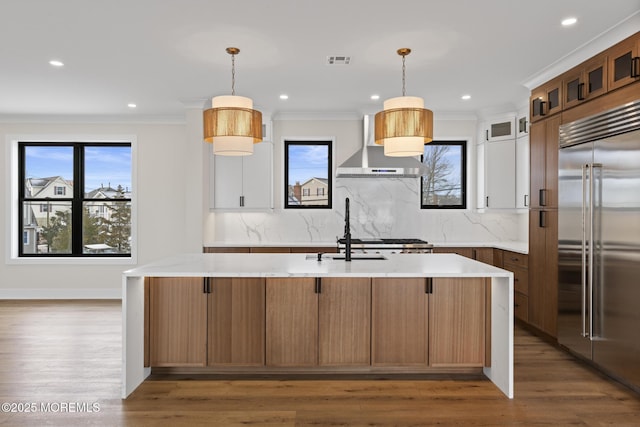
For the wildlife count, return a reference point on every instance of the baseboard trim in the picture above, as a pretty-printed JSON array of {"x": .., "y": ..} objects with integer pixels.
[{"x": 61, "y": 293}]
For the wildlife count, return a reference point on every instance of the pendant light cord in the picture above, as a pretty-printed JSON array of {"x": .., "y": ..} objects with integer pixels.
[
  {"x": 403, "y": 77},
  {"x": 233, "y": 74}
]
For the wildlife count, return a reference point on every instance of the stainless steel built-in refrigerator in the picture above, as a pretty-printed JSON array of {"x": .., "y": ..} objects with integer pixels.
[{"x": 599, "y": 241}]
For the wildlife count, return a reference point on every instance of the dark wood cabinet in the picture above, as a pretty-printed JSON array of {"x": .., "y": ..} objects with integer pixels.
[
  {"x": 543, "y": 155},
  {"x": 543, "y": 270},
  {"x": 546, "y": 100},
  {"x": 518, "y": 264},
  {"x": 624, "y": 62},
  {"x": 586, "y": 81}
]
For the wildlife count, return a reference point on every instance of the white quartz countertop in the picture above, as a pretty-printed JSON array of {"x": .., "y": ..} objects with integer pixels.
[
  {"x": 520, "y": 247},
  {"x": 305, "y": 265}
]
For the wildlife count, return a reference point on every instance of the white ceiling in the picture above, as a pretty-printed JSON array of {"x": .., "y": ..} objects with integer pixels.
[{"x": 165, "y": 55}]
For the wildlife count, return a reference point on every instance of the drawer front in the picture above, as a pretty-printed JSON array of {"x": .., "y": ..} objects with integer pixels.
[
  {"x": 520, "y": 280},
  {"x": 521, "y": 306},
  {"x": 515, "y": 259}
]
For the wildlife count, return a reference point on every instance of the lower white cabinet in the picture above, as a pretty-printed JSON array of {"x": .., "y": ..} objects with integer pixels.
[{"x": 242, "y": 182}]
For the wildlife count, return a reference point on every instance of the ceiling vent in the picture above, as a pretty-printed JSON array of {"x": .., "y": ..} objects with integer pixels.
[{"x": 338, "y": 60}]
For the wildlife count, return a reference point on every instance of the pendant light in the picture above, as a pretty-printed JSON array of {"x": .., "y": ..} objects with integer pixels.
[
  {"x": 232, "y": 125},
  {"x": 404, "y": 126}
]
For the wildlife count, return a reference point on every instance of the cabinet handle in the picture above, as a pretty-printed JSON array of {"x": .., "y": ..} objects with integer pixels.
[
  {"x": 428, "y": 285},
  {"x": 542, "y": 219},
  {"x": 541, "y": 112},
  {"x": 206, "y": 285},
  {"x": 635, "y": 67},
  {"x": 318, "y": 289},
  {"x": 486, "y": 135},
  {"x": 580, "y": 92},
  {"x": 526, "y": 202},
  {"x": 542, "y": 196},
  {"x": 241, "y": 201},
  {"x": 487, "y": 202},
  {"x": 514, "y": 259}
]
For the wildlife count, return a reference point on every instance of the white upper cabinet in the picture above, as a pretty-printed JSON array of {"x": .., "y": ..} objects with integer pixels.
[
  {"x": 242, "y": 182},
  {"x": 503, "y": 162},
  {"x": 500, "y": 174},
  {"x": 522, "y": 172},
  {"x": 500, "y": 129},
  {"x": 522, "y": 125}
]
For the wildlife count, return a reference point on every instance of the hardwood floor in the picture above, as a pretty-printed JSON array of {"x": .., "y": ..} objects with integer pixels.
[{"x": 59, "y": 353}]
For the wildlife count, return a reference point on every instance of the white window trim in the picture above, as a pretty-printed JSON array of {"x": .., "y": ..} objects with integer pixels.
[{"x": 11, "y": 167}]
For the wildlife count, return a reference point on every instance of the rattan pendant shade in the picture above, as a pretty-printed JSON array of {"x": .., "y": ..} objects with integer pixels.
[
  {"x": 404, "y": 125},
  {"x": 232, "y": 125}
]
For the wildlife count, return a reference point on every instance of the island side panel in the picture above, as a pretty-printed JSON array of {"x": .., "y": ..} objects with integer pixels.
[
  {"x": 133, "y": 370},
  {"x": 501, "y": 370}
]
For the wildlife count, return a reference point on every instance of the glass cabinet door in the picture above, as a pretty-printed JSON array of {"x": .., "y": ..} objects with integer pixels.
[{"x": 624, "y": 64}]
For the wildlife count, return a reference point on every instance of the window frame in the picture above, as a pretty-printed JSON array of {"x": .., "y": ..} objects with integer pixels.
[
  {"x": 77, "y": 199},
  {"x": 328, "y": 142},
  {"x": 464, "y": 166}
]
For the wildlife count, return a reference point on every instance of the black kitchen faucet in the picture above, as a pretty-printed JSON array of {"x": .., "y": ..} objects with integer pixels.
[{"x": 347, "y": 232}]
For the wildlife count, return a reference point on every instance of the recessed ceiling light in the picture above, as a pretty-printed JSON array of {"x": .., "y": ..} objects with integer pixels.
[
  {"x": 56, "y": 63},
  {"x": 375, "y": 97},
  {"x": 131, "y": 105},
  {"x": 466, "y": 97},
  {"x": 284, "y": 96},
  {"x": 569, "y": 21}
]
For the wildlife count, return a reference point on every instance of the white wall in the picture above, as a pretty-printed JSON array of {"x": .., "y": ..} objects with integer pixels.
[
  {"x": 165, "y": 218},
  {"x": 380, "y": 207},
  {"x": 173, "y": 215}
]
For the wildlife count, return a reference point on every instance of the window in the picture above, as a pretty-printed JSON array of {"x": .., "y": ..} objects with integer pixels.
[
  {"x": 75, "y": 199},
  {"x": 25, "y": 237},
  {"x": 307, "y": 174},
  {"x": 444, "y": 185}
]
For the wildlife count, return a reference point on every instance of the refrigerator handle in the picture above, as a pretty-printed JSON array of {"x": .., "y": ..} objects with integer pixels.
[
  {"x": 583, "y": 275},
  {"x": 593, "y": 247}
]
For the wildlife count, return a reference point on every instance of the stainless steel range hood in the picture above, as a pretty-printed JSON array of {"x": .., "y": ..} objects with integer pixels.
[{"x": 370, "y": 161}]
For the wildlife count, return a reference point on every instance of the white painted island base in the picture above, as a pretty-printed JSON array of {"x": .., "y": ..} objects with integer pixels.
[{"x": 500, "y": 371}]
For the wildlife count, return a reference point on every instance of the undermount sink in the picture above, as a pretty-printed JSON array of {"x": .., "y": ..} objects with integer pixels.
[{"x": 340, "y": 257}]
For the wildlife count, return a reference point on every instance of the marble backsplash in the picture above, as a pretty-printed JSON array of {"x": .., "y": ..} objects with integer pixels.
[{"x": 380, "y": 208}]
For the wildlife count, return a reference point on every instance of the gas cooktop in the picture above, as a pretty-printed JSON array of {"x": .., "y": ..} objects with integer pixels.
[{"x": 382, "y": 242}]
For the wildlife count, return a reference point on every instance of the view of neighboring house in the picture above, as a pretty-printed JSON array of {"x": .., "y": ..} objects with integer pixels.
[
  {"x": 40, "y": 214},
  {"x": 314, "y": 191},
  {"x": 102, "y": 209}
]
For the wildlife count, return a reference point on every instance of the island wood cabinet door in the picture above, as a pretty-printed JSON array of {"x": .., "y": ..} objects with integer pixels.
[
  {"x": 344, "y": 321},
  {"x": 399, "y": 322},
  {"x": 457, "y": 320},
  {"x": 324, "y": 322},
  {"x": 236, "y": 313},
  {"x": 291, "y": 322},
  {"x": 177, "y": 321}
]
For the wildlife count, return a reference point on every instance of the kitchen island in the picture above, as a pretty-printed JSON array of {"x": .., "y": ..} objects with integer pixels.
[{"x": 402, "y": 311}]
